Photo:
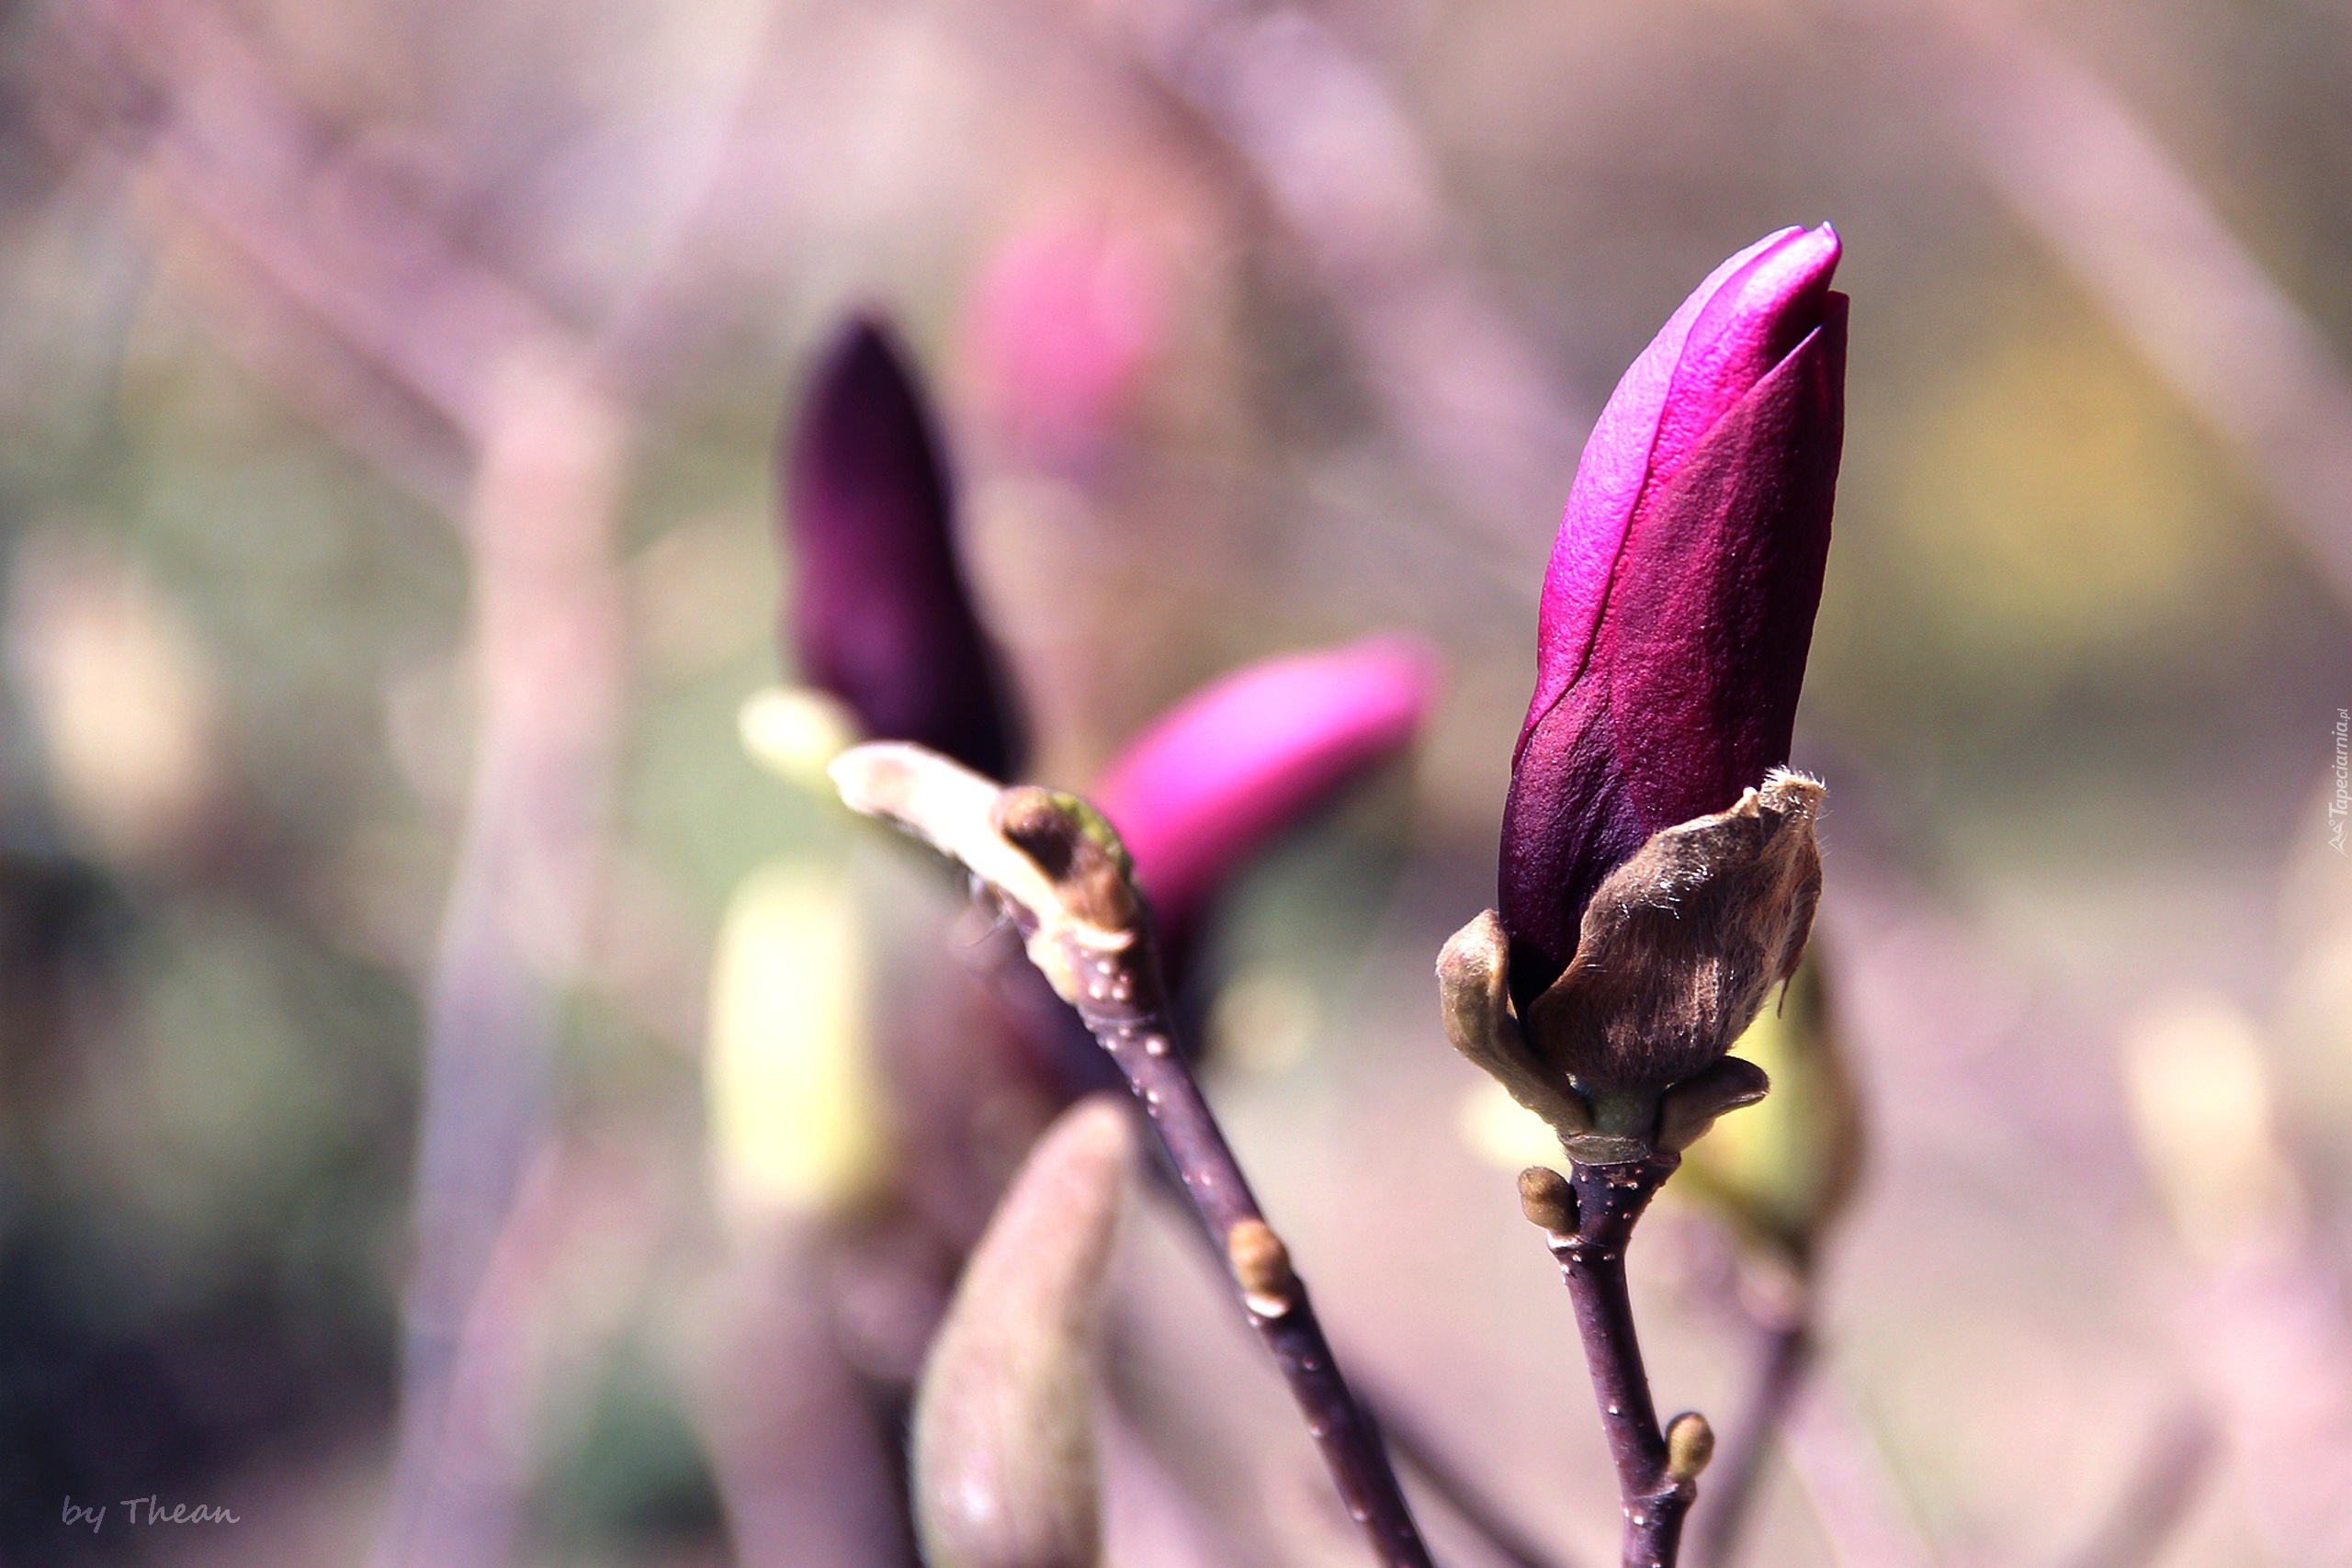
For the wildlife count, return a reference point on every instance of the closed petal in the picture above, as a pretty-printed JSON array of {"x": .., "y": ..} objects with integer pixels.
[
  {"x": 1212, "y": 781},
  {"x": 1697, "y": 650}
]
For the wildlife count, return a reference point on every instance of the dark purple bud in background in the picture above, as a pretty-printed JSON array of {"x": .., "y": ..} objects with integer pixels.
[
  {"x": 1679, "y": 605},
  {"x": 881, "y": 615}
]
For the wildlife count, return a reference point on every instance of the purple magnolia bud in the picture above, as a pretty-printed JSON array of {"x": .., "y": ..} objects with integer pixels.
[
  {"x": 1680, "y": 601},
  {"x": 1245, "y": 758},
  {"x": 881, "y": 615}
]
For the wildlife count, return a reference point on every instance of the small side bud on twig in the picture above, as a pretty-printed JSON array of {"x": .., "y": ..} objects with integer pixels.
[
  {"x": 1691, "y": 1106},
  {"x": 1547, "y": 1200},
  {"x": 1689, "y": 1444},
  {"x": 1261, "y": 1267},
  {"x": 1003, "y": 1441}
]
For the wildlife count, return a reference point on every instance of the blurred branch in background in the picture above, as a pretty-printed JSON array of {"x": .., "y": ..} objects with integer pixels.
[
  {"x": 326, "y": 245},
  {"x": 1846, "y": 1477},
  {"x": 575, "y": 1201},
  {"x": 547, "y": 632},
  {"x": 1468, "y": 1497},
  {"x": 1780, "y": 1178},
  {"x": 2264, "y": 1321},
  {"x": 2090, "y": 176},
  {"x": 2158, "y": 1500},
  {"x": 1346, "y": 169},
  {"x": 802, "y": 1463}
]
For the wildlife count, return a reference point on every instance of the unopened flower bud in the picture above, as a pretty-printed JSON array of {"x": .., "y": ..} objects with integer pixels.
[
  {"x": 1003, "y": 1442},
  {"x": 880, "y": 614},
  {"x": 1240, "y": 760},
  {"x": 1677, "y": 614}
]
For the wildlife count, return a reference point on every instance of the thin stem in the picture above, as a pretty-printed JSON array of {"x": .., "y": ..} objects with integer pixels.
[
  {"x": 1052, "y": 864},
  {"x": 1610, "y": 1198},
  {"x": 1785, "y": 1356},
  {"x": 1470, "y": 1502},
  {"x": 1124, "y": 1005},
  {"x": 1449, "y": 370}
]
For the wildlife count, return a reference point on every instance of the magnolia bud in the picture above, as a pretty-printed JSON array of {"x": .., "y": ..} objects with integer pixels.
[
  {"x": 1003, "y": 1444},
  {"x": 1679, "y": 601},
  {"x": 881, "y": 615}
]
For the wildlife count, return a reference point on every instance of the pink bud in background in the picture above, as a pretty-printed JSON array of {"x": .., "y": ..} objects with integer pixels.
[
  {"x": 1243, "y": 759},
  {"x": 1678, "y": 606},
  {"x": 1066, "y": 321}
]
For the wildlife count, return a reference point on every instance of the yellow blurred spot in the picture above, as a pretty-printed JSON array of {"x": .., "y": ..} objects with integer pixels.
[
  {"x": 1781, "y": 1171},
  {"x": 2200, "y": 1098},
  {"x": 125, "y": 703},
  {"x": 1502, "y": 1131},
  {"x": 796, "y": 1113},
  {"x": 2063, "y": 505},
  {"x": 794, "y": 732}
]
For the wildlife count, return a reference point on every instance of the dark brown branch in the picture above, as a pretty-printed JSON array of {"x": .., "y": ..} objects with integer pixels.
[
  {"x": 1657, "y": 1474},
  {"x": 1057, "y": 867},
  {"x": 1465, "y": 1497},
  {"x": 1125, "y": 1007}
]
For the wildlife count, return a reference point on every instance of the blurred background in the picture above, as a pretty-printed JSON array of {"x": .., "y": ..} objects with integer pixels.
[{"x": 387, "y": 548}]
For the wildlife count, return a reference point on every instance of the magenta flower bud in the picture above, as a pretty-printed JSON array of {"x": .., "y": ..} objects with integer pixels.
[
  {"x": 881, "y": 615},
  {"x": 1241, "y": 759},
  {"x": 1680, "y": 601}
]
